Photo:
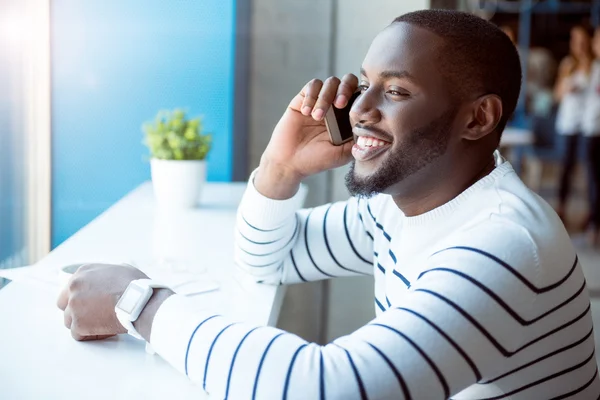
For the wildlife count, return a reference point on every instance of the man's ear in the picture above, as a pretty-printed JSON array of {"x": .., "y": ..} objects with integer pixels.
[{"x": 485, "y": 113}]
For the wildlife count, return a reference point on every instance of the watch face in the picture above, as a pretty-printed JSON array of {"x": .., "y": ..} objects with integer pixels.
[{"x": 130, "y": 298}]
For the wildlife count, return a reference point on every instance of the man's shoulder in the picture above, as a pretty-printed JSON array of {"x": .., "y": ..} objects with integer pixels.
[
  {"x": 521, "y": 209},
  {"x": 496, "y": 239},
  {"x": 538, "y": 249},
  {"x": 515, "y": 226}
]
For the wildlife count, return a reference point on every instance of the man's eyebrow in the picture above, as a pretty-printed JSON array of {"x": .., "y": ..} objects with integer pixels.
[{"x": 392, "y": 74}]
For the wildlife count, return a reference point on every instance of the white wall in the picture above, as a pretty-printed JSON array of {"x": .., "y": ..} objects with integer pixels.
[{"x": 292, "y": 42}]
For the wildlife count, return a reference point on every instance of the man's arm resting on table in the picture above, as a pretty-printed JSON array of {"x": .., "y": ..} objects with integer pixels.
[{"x": 421, "y": 347}]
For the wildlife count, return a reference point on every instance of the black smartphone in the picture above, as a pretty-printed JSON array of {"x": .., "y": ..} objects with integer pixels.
[{"x": 338, "y": 124}]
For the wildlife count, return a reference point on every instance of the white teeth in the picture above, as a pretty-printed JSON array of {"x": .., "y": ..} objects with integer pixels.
[{"x": 364, "y": 141}]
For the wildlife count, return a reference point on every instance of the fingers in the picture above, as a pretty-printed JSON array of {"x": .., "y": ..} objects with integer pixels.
[
  {"x": 81, "y": 338},
  {"x": 63, "y": 298},
  {"x": 326, "y": 97},
  {"x": 345, "y": 153},
  {"x": 68, "y": 318},
  {"x": 317, "y": 96},
  {"x": 311, "y": 94},
  {"x": 80, "y": 328},
  {"x": 97, "y": 337},
  {"x": 346, "y": 89}
]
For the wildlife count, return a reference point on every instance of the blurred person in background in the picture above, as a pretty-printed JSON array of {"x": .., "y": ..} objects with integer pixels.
[
  {"x": 541, "y": 70},
  {"x": 570, "y": 92},
  {"x": 591, "y": 131}
]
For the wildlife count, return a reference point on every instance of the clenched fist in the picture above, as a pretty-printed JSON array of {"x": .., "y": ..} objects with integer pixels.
[{"x": 89, "y": 300}]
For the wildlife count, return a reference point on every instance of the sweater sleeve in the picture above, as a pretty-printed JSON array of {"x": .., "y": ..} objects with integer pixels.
[
  {"x": 278, "y": 242},
  {"x": 442, "y": 336}
]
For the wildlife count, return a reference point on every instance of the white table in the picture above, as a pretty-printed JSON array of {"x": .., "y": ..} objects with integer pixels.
[{"x": 39, "y": 359}]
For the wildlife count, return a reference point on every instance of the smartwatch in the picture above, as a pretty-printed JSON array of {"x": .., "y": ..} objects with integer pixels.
[{"x": 132, "y": 303}]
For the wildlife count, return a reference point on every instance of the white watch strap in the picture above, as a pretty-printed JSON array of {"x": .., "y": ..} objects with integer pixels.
[{"x": 127, "y": 324}]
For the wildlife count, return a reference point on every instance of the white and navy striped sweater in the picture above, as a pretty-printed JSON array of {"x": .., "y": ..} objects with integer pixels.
[{"x": 481, "y": 298}]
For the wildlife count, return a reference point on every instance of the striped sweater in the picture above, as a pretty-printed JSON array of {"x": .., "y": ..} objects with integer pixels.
[{"x": 481, "y": 298}]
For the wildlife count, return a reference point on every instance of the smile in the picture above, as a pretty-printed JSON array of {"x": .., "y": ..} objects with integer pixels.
[{"x": 367, "y": 148}]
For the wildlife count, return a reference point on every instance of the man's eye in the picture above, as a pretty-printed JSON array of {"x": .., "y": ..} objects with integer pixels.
[
  {"x": 398, "y": 93},
  {"x": 362, "y": 88}
]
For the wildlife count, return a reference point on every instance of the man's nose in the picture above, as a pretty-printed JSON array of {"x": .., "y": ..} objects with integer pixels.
[{"x": 365, "y": 109}]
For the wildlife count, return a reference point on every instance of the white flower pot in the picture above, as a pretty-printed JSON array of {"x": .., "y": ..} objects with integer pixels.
[{"x": 177, "y": 184}]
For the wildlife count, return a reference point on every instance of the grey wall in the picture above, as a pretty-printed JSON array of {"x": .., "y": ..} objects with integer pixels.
[{"x": 293, "y": 42}]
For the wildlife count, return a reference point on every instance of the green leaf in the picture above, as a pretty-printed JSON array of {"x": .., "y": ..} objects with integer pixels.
[{"x": 173, "y": 137}]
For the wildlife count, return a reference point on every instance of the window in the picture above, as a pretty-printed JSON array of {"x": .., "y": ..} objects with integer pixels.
[{"x": 24, "y": 131}]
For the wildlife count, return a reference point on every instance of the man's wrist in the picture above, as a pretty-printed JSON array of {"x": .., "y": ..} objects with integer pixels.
[
  {"x": 276, "y": 182},
  {"x": 144, "y": 322}
]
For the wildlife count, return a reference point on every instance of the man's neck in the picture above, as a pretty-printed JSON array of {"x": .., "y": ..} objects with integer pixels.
[{"x": 446, "y": 187}]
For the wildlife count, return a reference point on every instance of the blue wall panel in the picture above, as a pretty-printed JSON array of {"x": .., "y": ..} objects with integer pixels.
[
  {"x": 115, "y": 64},
  {"x": 8, "y": 196},
  {"x": 12, "y": 164}
]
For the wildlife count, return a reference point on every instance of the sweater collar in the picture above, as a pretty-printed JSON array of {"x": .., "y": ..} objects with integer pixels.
[{"x": 502, "y": 167}]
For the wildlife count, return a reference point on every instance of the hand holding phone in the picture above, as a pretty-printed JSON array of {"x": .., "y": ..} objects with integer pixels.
[{"x": 300, "y": 145}]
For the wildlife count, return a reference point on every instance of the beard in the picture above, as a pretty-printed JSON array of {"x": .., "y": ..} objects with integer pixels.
[{"x": 421, "y": 147}]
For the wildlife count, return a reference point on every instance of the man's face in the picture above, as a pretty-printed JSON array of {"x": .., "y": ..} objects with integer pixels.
[{"x": 403, "y": 119}]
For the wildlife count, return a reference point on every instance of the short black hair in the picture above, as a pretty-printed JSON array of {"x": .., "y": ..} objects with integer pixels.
[{"x": 477, "y": 57}]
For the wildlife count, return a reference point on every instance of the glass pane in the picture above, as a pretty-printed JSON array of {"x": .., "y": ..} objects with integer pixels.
[{"x": 13, "y": 201}]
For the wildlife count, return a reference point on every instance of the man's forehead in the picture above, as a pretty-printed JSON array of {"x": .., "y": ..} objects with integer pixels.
[{"x": 402, "y": 46}]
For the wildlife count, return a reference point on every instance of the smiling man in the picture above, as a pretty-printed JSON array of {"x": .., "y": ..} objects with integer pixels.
[{"x": 478, "y": 291}]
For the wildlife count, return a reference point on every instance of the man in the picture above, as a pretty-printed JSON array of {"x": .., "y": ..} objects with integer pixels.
[{"x": 478, "y": 291}]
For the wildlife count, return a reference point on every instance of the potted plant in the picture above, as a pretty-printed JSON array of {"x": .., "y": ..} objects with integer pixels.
[{"x": 178, "y": 149}]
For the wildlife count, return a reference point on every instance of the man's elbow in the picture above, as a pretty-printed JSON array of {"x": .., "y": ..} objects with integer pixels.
[{"x": 256, "y": 274}]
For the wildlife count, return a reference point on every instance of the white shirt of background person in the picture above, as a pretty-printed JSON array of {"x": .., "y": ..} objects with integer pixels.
[
  {"x": 571, "y": 110},
  {"x": 591, "y": 117}
]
